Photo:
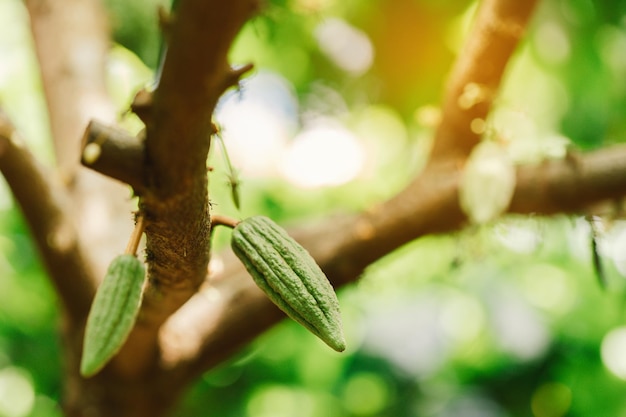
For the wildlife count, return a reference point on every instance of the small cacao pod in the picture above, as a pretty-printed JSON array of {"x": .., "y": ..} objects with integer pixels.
[
  {"x": 113, "y": 312},
  {"x": 290, "y": 277}
]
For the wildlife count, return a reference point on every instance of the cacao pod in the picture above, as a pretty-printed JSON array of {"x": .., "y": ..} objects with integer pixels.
[
  {"x": 290, "y": 277},
  {"x": 113, "y": 312}
]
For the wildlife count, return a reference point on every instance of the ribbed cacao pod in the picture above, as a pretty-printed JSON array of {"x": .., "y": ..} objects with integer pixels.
[
  {"x": 113, "y": 313},
  {"x": 290, "y": 277}
]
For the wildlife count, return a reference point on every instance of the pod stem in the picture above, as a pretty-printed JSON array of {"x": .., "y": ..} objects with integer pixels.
[
  {"x": 135, "y": 237},
  {"x": 219, "y": 220}
]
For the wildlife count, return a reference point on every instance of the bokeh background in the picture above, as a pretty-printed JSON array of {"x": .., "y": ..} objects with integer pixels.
[{"x": 504, "y": 320}]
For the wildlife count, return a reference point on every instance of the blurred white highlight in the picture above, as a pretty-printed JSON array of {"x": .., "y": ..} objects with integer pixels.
[
  {"x": 323, "y": 155},
  {"x": 612, "y": 351},
  {"x": 348, "y": 47}
]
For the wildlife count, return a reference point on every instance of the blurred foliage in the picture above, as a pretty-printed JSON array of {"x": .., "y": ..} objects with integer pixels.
[
  {"x": 501, "y": 320},
  {"x": 135, "y": 26}
]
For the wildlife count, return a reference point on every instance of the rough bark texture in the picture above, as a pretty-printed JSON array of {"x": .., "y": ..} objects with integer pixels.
[{"x": 181, "y": 332}]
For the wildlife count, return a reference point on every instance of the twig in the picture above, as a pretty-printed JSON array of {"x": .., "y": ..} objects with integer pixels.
[
  {"x": 220, "y": 220},
  {"x": 233, "y": 180},
  {"x": 135, "y": 237}
]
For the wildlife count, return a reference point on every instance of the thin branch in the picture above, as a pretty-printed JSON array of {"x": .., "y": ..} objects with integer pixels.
[
  {"x": 48, "y": 212},
  {"x": 477, "y": 73},
  {"x": 220, "y": 220},
  {"x": 430, "y": 204},
  {"x": 239, "y": 311},
  {"x": 135, "y": 237},
  {"x": 572, "y": 184}
]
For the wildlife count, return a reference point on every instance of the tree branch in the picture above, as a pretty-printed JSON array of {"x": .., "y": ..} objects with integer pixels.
[
  {"x": 175, "y": 200},
  {"x": 234, "y": 311},
  {"x": 48, "y": 212},
  {"x": 195, "y": 74},
  {"x": 477, "y": 73}
]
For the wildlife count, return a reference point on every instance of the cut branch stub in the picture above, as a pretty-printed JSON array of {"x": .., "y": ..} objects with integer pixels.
[
  {"x": 290, "y": 277},
  {"x": 115, "y": 153}
]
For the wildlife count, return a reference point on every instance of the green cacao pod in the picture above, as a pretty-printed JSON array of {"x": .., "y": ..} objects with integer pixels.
[
  {"x": 290, "y": 277},
  {"x": 113, "y": 313}
]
